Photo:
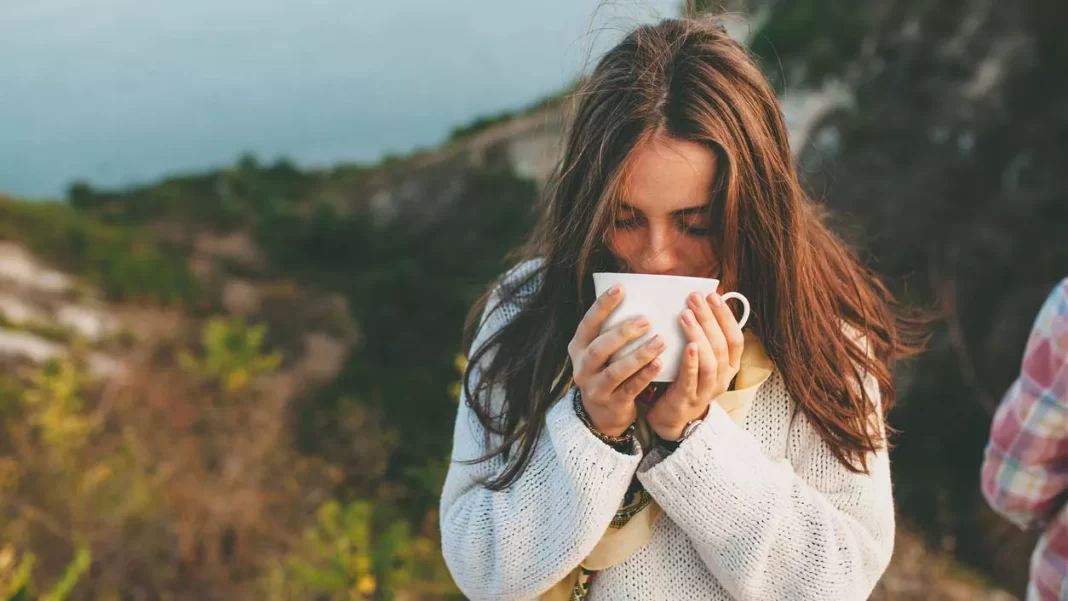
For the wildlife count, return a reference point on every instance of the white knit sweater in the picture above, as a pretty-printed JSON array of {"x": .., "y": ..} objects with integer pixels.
[{"x": 756, "y": 514}]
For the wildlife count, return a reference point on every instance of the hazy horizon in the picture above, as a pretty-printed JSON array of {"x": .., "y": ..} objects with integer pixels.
[{"x": 120, "y": 92}]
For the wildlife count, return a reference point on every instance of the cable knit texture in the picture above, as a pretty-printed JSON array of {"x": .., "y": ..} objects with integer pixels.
[{"x": 756, "y": 513}]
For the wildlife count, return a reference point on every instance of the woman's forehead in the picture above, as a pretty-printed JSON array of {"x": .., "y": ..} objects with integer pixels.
[{"x": 667, "y": 175}]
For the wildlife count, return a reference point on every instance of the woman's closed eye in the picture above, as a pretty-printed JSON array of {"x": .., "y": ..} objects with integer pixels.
[
  {"x": 691, "y": 229},
  {"x": 696, "y": 230}
]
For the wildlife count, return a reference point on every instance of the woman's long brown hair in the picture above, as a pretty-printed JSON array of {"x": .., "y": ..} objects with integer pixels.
[{"x": 686, "y": 78}]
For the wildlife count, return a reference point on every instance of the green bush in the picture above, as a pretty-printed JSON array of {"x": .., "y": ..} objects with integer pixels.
[
  {"x": 232, "y": 354},
  {"x": 352, "y": 554},
  {"x": 124, "y": 262}
]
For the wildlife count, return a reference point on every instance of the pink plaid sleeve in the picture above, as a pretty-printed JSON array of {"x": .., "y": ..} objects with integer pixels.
[{"x": 1025, "y": 466}]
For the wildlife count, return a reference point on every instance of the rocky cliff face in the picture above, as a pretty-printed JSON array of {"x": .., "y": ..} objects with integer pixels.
[{"x": 43, "y": 311}]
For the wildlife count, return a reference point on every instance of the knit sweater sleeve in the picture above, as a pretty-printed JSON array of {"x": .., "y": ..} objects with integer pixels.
[
  {"x": 518, "y": 542},
  {"x": 804, "y": 528}
]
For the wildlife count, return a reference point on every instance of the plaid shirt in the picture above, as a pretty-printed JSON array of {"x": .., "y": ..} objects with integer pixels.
[{"x": 1025, "y": 468}]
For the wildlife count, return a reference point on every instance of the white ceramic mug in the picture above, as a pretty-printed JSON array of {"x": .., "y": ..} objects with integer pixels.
[{"x": 661, "y": 298}]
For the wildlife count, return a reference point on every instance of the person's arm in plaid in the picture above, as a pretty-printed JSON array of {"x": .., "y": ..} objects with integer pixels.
[{"x": 1025, "y": 467}]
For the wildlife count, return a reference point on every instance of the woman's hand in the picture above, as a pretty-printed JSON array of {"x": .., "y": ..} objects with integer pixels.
[
  {"x": 709, "y": 363},
  {"x": 608, "y": 391}
]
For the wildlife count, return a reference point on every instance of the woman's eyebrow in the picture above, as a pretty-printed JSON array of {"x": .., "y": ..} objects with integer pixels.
[{"x": 677, "y": 212}]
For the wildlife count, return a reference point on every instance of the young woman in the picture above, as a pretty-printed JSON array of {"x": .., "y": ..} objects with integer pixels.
[{"x": 761, "y": 473}]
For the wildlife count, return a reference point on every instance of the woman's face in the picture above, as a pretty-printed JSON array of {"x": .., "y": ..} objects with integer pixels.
[{"x": 663, "y": 225}]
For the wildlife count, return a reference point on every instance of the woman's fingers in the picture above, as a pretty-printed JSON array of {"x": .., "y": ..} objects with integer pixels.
[
  {"x": 602, "y": 348},
  {"x": 717, "y": 341},
  {"x": 728, "y": 325},
  {"x": 632, "y": 386},
  {"x": 690, "y": 371},
  {"x": 706, "y": 360},
  {"x": 590, "y": 326},
  {"x": 618, "y": 371}
]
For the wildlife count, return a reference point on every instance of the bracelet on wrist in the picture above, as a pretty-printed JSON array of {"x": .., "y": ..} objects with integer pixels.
[{"x": 623, "y": 441}]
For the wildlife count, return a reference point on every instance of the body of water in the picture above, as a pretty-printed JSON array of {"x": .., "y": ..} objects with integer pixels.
[{"x": 119, "y": 92}]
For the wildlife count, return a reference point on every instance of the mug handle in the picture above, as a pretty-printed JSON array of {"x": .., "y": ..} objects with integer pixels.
[{"x": 745, "y": 306}]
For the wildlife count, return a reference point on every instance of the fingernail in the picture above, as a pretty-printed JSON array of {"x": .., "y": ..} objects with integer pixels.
[
  {"x": 688, "y": 317},
  {"x": 715, "y": 299},
  {"x": 656, "y": 342},
  {"x": 692, "y": 349},
  {"x": 614, "y": 290},
  {"x": 641, "y": 322}
]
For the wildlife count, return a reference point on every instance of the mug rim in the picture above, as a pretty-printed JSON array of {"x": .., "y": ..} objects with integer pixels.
[{"x": 656, "y": 275}]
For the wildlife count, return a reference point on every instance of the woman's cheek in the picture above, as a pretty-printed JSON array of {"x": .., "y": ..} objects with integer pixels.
[
  {"x": 705, "y": 259},
  {"x": 622, "y": 245}
]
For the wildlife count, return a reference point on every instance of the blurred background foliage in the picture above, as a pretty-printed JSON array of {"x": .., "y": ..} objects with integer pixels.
[{"x": 289, "y": 340}]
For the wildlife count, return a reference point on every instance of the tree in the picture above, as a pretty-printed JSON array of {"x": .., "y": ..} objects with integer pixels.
[{"x": 81, "y": 195}]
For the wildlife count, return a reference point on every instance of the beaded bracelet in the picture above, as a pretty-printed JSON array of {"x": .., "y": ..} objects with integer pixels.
[{"x": 624, "y": 442}]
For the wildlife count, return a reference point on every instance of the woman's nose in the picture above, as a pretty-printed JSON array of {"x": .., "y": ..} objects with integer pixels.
[{"x": 661, "y": 255}]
